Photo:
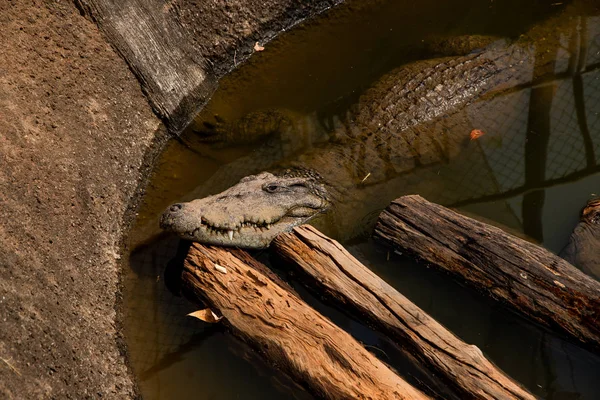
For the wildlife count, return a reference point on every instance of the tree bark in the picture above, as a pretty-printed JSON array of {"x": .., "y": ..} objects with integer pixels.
[
  {"x": 262, "y": 311},
  {"x": 522, "y": 275},
  {"x": 326, "y": 266}
]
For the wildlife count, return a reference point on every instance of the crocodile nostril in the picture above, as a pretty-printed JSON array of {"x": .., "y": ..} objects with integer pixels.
[{"x": 175, "y": 207}]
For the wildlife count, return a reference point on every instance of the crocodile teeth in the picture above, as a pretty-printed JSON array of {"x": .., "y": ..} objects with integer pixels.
[{"x": 230, "y": 235}]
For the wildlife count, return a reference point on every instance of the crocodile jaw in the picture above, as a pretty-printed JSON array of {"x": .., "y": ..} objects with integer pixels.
[
  {"x": 251, "y": 236},
  {"x": 250, "y": 214}
]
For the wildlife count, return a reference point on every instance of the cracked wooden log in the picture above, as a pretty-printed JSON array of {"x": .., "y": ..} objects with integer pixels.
[
  {"x": 265, "y": 313},
  {"x": 325, "y": 266},
  {"x": 523, "y": 276}
]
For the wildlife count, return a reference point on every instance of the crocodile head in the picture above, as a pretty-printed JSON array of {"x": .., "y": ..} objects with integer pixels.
[
  {"x": 584, "y": 243},
  {"x": 251, "y": 213},
  {"x": 591, "y": 212}
]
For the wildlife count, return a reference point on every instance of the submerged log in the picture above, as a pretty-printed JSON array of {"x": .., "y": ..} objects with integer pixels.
[
  {"x": 263, "y": 312},
  {"x": 324, "y": 264},
  {"x": 522, "y": 275}
]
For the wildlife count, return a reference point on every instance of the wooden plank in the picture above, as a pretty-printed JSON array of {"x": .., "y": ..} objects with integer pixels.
[
  {"x": 523, "y": 276},
  {"x": 156, "y": 47},
  {"x": 178, "y": 49},
  {"x": 326, "y": 266},
  {"x": 292, "y": 336}
]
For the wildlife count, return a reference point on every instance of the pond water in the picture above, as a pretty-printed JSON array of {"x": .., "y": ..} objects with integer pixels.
[{"x": 532, "y": 171}]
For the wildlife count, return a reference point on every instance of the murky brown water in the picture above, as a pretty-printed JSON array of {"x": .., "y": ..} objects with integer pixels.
[{"x": 317, "y": 71}]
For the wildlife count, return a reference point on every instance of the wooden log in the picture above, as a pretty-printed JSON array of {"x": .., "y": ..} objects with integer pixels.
[
  {"x": 264, "y": 313},
  {"x": 522, "y": 275},
  {"x": 324, "y": 264}
]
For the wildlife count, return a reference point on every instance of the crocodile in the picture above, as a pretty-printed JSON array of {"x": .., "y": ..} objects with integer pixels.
[
  {"x": 582, "y": 249},
  {"x": 412, "y": 119}
]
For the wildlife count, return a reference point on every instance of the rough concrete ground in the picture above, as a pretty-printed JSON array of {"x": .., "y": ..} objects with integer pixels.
[{"x": 75, "y": 130}]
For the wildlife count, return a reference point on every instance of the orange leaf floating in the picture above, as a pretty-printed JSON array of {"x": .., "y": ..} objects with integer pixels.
[
  {"x": 258, "y": 47},
  {"x": 476, "y": 134}
]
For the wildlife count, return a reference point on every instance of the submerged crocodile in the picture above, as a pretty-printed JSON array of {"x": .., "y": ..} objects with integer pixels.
[{"x": 410, "y": 120}]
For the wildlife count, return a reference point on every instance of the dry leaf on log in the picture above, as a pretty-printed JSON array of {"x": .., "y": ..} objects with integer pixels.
[{"x": 206, "y": 315}]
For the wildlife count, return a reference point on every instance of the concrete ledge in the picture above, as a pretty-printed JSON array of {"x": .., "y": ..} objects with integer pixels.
[{"x": 76, "y": 137}]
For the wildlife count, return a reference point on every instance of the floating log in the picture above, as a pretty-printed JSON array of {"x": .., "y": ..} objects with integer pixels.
[
  {"x": 263, "y": 312},
  {"x": 324, "y": 265},
  {"x": 522, "y": 275}
]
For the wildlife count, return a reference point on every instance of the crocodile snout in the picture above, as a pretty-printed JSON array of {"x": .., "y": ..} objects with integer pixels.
[
  {"x": 176, "y": 207},
  {"x": 171, "y": 215}
]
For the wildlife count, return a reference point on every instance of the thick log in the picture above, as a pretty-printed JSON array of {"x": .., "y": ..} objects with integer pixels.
[
  {"x": 267, "y": 315},
  {"x": 324, "y": 264},
  {"x": 522, "y": 275}
]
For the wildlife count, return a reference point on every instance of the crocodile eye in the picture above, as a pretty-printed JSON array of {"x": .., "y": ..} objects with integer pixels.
[{"x": 271, "y": 188}]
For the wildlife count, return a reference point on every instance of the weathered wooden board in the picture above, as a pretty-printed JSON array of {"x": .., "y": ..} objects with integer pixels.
[
  {"x": 326, "y": 267},
  {"x": 522, "y": 275},
  {"x": 156, "y": 47},
  {"x": 291, "y": 335},
  {"x": 177, "y": 48}
]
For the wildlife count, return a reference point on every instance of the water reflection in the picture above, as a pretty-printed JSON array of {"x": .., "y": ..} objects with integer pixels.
[{"x": 532, "y": 171}]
